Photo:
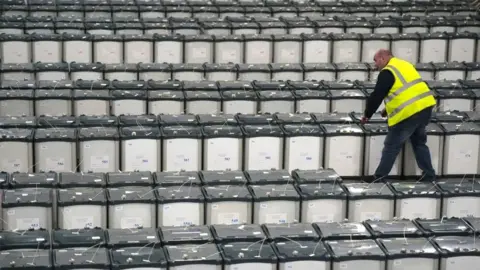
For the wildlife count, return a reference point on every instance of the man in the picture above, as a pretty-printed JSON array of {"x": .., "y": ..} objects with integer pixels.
[{"x": 408, "y": 106}]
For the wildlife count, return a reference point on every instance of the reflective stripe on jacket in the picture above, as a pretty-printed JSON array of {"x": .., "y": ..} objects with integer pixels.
[{"x": 409, "y": 93}]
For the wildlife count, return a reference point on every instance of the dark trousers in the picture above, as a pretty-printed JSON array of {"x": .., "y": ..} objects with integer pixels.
[{"x": 412, "y": 128}]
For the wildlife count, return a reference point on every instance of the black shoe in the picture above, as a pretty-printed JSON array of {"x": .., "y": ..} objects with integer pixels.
[{"x": 426, "y": 179}]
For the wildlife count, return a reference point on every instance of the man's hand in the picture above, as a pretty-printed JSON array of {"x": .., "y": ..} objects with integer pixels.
[
  {"x": 364, "y": 120},
  {"x": 384, "y": 113}
]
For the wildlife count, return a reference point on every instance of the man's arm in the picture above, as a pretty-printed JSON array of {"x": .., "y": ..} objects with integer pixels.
[{"x": 385, "y": 82}]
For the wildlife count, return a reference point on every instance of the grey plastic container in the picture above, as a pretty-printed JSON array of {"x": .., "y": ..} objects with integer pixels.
[
  {"x": 457, "y": 252},
  {"x": 77, "y": 48},
  {"x": 78, "y": 179},
  {"x": 307, "y": 255},
  {"x": 373, "y": 201},
  {"x": 98, "y": 149},
  {"x": 56, "y": 150},
  {"x": 263, "y": 146},
  {"x": 128, "y": 97},
  {"x": 22, "y": 258},
  {"x": 410, "y": 253},
  {"x": 91, "y": 98},
  {"x": 86, "y": 71},
  {"x": 17, "y": 98},
  {"x": 182, "y": 148},
  {"x": 222, "y": 147},
  {"x": 121, "y": 72},
  {"x": 17, "y": 72},
  {"x": 361, "y": 254},
  {"x": 18, "y": 46},
  {"x": 53, "y": 98},
  {"x": 194, "y": 256},
  {"x": 27, "y": 208},
  {"x": 79, "y": 257},
  {"x": 227, "y": 204},
  {"x": 18, "y": 143},
  {"x": 81, "y": 207},
  {"x": 275, "y": 204},
  {"x": 131, "y": 207},
  {"x": 323, "y": 202},
  {"x": 141, "y": 148},
  {"x": 154, "y": 71},
  {"x": 180, "y": 206},
  {"x": 48, "y": 71}
]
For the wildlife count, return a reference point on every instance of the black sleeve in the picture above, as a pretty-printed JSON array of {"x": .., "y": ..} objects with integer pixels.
[{"x": 385, "y": 81}]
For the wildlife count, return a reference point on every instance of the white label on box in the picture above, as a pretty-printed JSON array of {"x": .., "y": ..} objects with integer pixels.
[
  {"x": 229, "y": 56},
  {"x": 214, "y": 206},
  {"x": 223, "y": 156},
  {"x": 279, "y": 218},
  {"x": 55, "y": 164},
  {"x": 258, "y": 54},
  {"x": 343, "y": 266},
  {"x": 28, "y": 223},
  {"x": 166, "y": 207},
  {"x": 323, "y": 218},
  {"x": 263, "y": 205},
  {"x": 99, "y": 162},
  {"x": 11, "y": 164},
  {"x": 170, "y": 53},
  {"x": 397, "y": 262},
  {"x": 119, "y": 208},
  {"x": 109, "y": 50},
  {"x": 287, "y": 55},
  {"x": 370, "y": 216},
  {"x": 182, "y": 221},
  {"x": 181, "y": 161},
  {"x": 139, "y": 161},
  {"x": 199, "y": 51},
  {"x": 138, "y": 54},
  {"x": 82, "y": 222},
  {"x": 229, "y": 218},
  {"x": 347, "y": 54},
  {"x": 131, "y": 222},
  {"x": 311, "y": 205},
  {"x": 463, "y": 154},
  {"x": 11, "y": 212}
]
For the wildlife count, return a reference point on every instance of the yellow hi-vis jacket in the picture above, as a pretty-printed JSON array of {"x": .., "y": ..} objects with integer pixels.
[{"x": 408, "y": 95}]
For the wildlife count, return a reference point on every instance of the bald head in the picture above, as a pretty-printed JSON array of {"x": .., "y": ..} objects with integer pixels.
[
  {"x": 383, "y": 53},
  {"x": 382, "y": 57}
]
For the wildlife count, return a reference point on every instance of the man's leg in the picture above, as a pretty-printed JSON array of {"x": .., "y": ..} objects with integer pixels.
[
  {"x": 396, "y": 138},
  {"x": 420, "y": 148}
]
